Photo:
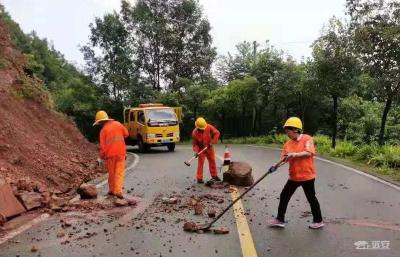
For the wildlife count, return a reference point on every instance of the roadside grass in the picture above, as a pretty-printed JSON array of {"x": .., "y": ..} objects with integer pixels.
[{"x": 382, "y": 161}]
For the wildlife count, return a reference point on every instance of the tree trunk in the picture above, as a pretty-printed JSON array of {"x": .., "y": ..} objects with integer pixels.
[
  {"x": 195, "y": 113},
  {"x": 260, "y": 112},
  {"x": 334, "y": 120},
  {"x": 253, "y": 129},
  {"x": 388, "y": 105},
  {"x": 243, "y": 132}
]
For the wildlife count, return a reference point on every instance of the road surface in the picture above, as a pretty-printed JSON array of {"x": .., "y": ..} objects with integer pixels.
[{"x": 359, "y": 213}]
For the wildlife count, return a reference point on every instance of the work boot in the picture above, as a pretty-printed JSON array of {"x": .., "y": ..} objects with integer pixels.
[
  {"x": 120, "y": 196},
  {"x": 216, "y": 178},
  {"x": 200, "y": 181}
]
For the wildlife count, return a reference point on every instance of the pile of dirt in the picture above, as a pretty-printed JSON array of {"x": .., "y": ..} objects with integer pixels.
[{"x": 40, "y": 150}]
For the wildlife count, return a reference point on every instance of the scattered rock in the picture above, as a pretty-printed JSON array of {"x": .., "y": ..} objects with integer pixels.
[
  {"x": 170, "y": 200},
  {"x": 131, "y": 202},
  {"x": 198, "y": 209},
  {"x": 34, "y": 249},
  {"x": 30, "y": 200},
  {"x": 24, "y": 185},
  {"x": 40, "y": 188},
  {"x": 221, "y": 231},
  {"x": 2, "y": 220},
  {"x": 211, "y": 213},
  {"x": 60, "y": 234},
  {"x": 87, "y": 191},
  {"x": 120, "y": 202},
  {"x": 190, "y": 226},
  {"x": 66, "y": 222}
]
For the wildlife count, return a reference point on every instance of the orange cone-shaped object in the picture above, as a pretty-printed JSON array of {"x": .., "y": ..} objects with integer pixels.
[{"x": 227, "y": 156}]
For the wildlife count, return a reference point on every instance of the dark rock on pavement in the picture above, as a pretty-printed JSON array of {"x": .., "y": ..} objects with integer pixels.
[{"x": 87, "y": 191}]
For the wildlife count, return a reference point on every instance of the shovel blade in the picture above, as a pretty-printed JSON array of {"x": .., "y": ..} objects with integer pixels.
[{"x": 187, "y": 164}]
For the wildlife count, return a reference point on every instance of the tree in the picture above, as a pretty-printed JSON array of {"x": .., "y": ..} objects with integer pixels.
[
  {"x": 335, "y": 67},
  {"x": 375, "y": 26},
  {"x": 172, "y": 40},
  {"x": 238, "y": 66},
  {"x": 113, "y": 69},
  {"x": 244, "y": 92},
  {"x": 194, "y": 97}
]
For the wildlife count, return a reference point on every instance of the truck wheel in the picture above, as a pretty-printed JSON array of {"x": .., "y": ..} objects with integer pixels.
[
  {"x": 142, "y": 146},
  {"x": 171, "y": 147}
]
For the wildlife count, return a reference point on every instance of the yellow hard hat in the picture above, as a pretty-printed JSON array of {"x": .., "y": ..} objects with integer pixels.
[
  {"x": 294, "y": 122},
  {"x": 201, "y": 123},
  {"x": 101, "y": 116}
]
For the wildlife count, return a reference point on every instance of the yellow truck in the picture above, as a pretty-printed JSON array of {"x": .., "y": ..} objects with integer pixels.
[{"x": 152, "y": 125}]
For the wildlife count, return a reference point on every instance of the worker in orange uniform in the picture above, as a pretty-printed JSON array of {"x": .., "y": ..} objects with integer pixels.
[
  {"x": 205, "y": 135},
  {"x": 299, "y": 151},
  {"x": 113, "y": 151}
]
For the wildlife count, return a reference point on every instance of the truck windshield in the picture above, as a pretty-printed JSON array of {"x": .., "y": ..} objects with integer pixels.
[{"x": 161, "y": 117}]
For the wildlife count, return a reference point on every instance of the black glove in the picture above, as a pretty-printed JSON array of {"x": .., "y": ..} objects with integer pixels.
[
  {"x": 272, "y": 169},
  {"x": 196, "y": 155}
]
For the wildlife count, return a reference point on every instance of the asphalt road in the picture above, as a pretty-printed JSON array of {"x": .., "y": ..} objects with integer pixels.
[{"x": 355, "y": 208}]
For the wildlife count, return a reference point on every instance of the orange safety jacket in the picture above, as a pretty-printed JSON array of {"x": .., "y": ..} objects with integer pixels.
[
  {"x": 112, "y": 141},
  {"x": 210, "y": 135},
  {"x": 300, "y": 169}
]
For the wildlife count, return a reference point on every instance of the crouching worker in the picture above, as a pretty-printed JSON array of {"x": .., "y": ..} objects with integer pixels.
[
  {"x": 113, "y": 151},
  {"x": 205, "y": 135},
  {"x": 299, "y": 152}
]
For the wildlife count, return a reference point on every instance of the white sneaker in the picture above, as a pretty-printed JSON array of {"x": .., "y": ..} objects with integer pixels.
[
  {"x": 276, "y": 223},
  {"x": 316, "y": 225}
]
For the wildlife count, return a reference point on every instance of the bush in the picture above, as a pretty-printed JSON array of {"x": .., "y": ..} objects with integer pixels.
[
  {"x": 344, "y": 149},
  {"x": 322, "y": 144},
  {"x": 366, "y": 152},
  {"x": 280, "y": 139},
  {"x": 388, "y": 157},
  {"x": 33, "y": 89}
]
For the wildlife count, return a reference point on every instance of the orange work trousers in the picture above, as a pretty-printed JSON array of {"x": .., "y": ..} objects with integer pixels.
[
  {"x": 210, "y": 154},
  {"x": 116, "y": 172}
]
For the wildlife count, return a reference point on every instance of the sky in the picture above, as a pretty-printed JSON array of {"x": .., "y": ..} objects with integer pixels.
[{"x": 289, "y": 25}]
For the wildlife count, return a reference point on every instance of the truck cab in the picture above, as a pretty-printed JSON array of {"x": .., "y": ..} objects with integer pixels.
[{"x": 151, "y": 125}]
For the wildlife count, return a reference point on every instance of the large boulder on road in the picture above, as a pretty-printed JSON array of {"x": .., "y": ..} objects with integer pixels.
[
  {"x": 87, "y": 191},
  {"x": 30, "y": 200},
  {"x": 9, "y": 205},
  {"x": 239, "y": 174}
]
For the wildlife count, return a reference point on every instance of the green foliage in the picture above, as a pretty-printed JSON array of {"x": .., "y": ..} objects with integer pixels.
[
  {"x": 3, "y": 63},
  {"x": 33, "y": 89},
  {"x": 388, "y": 156},
  {"x": 375, "y": 26},
  {"x": 344, "y": 149},
  {"x": 171, "y": 39}
]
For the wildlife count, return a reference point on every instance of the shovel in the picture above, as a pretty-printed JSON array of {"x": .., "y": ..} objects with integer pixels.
[
  {"x": 194, "y": 157},
  {"x": 206, "y": 227}
]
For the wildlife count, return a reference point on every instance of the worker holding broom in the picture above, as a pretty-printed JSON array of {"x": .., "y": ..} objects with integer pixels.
[
  {"x": 113, "y": 151},
  {"x": 299, "y": 152},
  {"x": 205, "y": 136}
]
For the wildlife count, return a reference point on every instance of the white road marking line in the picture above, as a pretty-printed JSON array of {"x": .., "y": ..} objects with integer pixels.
[{"x": 342, "y": 166}]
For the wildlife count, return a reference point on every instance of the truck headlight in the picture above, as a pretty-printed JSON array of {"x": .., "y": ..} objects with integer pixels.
[
  {"x": 176, "y": 134},
  {"x": 151, "y": 135}
]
